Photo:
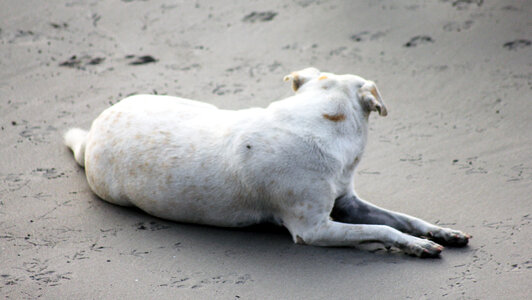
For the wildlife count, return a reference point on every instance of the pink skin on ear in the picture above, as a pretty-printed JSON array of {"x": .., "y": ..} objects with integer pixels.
[
  {"x": 301, "y": 77},
  {"x": 372, "y": 98}
]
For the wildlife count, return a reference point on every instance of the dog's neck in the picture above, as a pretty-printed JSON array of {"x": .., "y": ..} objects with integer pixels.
[{"x": 336, "y": 123}]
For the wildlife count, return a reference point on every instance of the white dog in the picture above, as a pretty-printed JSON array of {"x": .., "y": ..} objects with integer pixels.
[{"x": 292, "y": 163}]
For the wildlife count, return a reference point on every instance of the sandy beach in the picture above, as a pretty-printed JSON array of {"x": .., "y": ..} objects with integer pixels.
[{"x": 455, "y": 149}]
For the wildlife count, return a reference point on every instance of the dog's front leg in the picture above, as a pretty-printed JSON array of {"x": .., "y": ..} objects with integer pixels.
[
  {"x": 352, "y": 209},
  {"x": 330, "y": 233}
]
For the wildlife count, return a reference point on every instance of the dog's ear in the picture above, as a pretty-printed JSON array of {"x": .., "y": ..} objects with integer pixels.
[
  {"x": 299, "y": 78},
  {"x": 371, "y": 98}
]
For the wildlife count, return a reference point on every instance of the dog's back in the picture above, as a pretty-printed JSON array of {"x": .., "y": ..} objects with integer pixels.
[{"x": 174, "y": 158}]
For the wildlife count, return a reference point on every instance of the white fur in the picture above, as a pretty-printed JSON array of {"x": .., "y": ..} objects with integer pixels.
[{"x": 292, "y": 163}]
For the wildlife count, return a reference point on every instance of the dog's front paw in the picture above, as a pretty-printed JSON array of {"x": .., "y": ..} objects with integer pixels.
[
  {"x": 422, "y": 248},
  {"x": 451, "y": 237}
]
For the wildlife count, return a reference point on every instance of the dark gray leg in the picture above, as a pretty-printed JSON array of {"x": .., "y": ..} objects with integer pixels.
[{"x": 353, "y": 210}]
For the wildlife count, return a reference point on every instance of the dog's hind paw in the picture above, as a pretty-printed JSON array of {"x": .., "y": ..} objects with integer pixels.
[{"x": 451, "y": 237}]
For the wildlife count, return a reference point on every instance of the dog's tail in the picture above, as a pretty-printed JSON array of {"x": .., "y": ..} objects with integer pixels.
[{"x": 75, "y": 139}]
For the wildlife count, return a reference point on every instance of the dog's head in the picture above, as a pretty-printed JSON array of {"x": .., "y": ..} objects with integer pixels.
[{"x": 357, "y": 88}]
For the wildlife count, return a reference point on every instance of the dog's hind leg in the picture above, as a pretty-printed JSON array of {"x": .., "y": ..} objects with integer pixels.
[{"x": 352, "y": 209}]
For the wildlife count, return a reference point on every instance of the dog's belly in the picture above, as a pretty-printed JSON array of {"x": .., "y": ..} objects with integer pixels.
[{"x": 172, "y": 158}]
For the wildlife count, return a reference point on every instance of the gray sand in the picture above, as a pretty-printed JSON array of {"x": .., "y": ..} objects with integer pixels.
[{"x": 456, "y": 148}]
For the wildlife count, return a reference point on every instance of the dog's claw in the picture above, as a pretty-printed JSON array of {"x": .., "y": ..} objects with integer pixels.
[{"x": 427, "y": 254}]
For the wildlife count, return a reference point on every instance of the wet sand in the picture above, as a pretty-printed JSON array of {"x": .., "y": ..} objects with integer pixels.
[{"x": 456, "y": 148}]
